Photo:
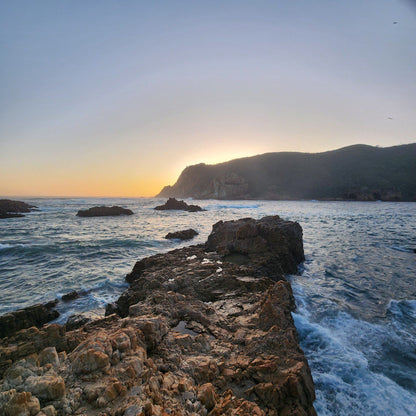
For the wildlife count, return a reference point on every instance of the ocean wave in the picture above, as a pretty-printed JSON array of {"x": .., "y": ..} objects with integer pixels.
[
  {"x": 404, "y": 249},
  {"x": 4, "y": 246},
  {"x": 234, "y": 206},
  {"x": 403, "y": 312},
  {"x": 341, "y": 354}
]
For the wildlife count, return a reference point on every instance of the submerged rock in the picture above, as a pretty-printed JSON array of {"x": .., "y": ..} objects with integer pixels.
[
  {"x": 193, "y": 335},
  {"x": 174, "y": 204},
  {"x": 104, "y": 212},
  {"x": 182, "y": 235}
]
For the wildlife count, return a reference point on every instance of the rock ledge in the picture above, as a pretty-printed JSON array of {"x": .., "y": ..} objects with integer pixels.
[{"x": 194, "y": 334}]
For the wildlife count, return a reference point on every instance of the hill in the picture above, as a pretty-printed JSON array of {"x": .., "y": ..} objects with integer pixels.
[{"x": 358, "y": 172}]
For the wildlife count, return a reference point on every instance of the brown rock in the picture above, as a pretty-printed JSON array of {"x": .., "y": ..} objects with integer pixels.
[
  {"x": 13, "y": 403},
  {"x": 49, "y": 356},
  {"x": 206, "y": 395},
  {"x": 49, "y": 386}
]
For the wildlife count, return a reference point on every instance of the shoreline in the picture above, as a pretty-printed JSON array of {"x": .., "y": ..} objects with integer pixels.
[{"x": 218, "y": 325}]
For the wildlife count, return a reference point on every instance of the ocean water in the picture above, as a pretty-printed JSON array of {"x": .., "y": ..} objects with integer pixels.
[{"x": 356, "y": 295}]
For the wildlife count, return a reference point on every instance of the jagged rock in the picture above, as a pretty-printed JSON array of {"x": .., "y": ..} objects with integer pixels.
[
  {"x": 49, "y": 386},
  {"x": 104, "y": 212},
  {"x": 36, "y": 315},
  {"x": 76, "y": 321},
  {"x": 49, "y": 410},
  {"x": 182, "y": 235},
  {"x": 13, "y": 403},
  {"x": 196, "y": 335},
  {"x": 49, "y": 356},
  {"x": 207, "y": 395},
  {"x": 274, "y": 245},
  {"x": 173, "y": 204}
]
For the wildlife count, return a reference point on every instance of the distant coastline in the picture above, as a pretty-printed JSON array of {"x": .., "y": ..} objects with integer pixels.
[{"x": 354, "y": 173}]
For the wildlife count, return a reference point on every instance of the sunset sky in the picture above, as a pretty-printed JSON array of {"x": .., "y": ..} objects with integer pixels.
[{"x": 115, "y": 98}]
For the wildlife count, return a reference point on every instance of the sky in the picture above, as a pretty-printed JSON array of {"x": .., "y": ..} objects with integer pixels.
[{"x": 116, "y": 98}]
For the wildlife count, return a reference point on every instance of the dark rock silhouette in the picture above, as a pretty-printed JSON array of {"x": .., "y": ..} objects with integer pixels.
[
  {"x": 13, "y": 209},
  {"x": 104, "y": 212},
  {"x": 73, "y": 294},
  {"x": 173, "y": 204},
  {"x": 359, "y": 173},
  {"x": 182, "y": 235}
]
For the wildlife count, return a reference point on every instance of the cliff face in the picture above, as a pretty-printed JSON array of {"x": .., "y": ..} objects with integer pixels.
[
  {"x": 203, "y": 330},
  {"x": 353, "y": 173}
]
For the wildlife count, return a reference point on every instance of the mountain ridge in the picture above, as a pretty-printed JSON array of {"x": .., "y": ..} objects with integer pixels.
[{"x": 356, "y": 172}]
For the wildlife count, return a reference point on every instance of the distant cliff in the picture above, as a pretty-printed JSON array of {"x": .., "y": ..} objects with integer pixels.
[{"x": 358, "y": 172}]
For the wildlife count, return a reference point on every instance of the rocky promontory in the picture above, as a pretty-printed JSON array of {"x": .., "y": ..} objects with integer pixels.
[
  {"x": 104, "y": 212},
  {"x": 202, "y": 330},
  {"x": 13, "y": 209},
  {"x": 174, "y": 204},
  {"x": 353, "y": 173}
]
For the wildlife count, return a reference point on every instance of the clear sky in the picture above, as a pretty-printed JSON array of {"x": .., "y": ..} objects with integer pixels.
[{"x": 115, "y": 98}]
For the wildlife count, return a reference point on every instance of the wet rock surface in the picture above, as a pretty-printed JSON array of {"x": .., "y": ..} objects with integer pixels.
[
  {"x": 193, "y": 335},
  {"x": 104, "y": 212},
  {"x": 174, "y": 204},
  {"x": 182, "y": 235}
]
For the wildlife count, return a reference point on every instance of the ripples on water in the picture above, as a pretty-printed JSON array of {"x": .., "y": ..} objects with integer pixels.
[{"x": 356, "y": 313}]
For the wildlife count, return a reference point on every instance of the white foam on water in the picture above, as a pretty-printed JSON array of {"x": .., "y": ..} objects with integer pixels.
[
  {"x": 234, "y": 206},
  {"x": 338, "y": 349},
  {"x": 4, "y": 246}
]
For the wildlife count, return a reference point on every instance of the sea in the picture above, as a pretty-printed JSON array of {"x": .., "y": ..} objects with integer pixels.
[{"x": 355, "y": 294}]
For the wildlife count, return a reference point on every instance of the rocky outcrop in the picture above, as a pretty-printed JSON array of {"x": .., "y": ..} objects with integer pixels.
[
  {"x": 173, "y": 204},
  {"x": 182, "y": 235},
  {"x": 273, "y": 245},
  {"x": 104, "y": 212},
  {"x": 36, "y": 315},
  {"x": 195, "y": 334},
  {"x": 12, "y": 209},
  {"x": 359, "y": 172}
]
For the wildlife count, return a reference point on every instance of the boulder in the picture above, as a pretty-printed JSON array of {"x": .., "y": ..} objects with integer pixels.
[
  {"x": 49, "y": 386},
  {"x": 182, "y": 235},
  {"x": 174, "y": 204},
  {"x": 13, "y": 403},
  {"x": 104, "y": 212},
  {"x": 274, "y": 246}
]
